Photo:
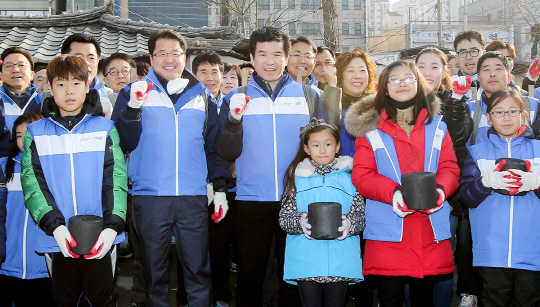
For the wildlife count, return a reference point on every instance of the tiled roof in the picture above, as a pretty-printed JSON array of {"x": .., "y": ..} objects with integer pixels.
[{"x": 42, "y": 36}]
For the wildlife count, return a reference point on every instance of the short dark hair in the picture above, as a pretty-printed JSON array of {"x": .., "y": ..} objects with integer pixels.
[
  {"x": 228, "y": 67},
  {"x": 494, "y": 55},
  {"x": 19, "y": 50},
  {"x": 266, "y": 35},
  {"x": 165, "y": 34},
  {"x": 143, "y": 69},
  {"x": 64, "y": 65},
  {"x": 499, "y": 44},
  {"x": 40, "y": 66},
  {"x": 246, "y": 65},
  {"x": 208, "y": 57},
  {"x": 117, "y": 56},
  {"x": 303, "y": 39},
  {"x": 82, "y": 38},
  {"x": 323, "y": 48},
  {"x": 469, "y": 35}
]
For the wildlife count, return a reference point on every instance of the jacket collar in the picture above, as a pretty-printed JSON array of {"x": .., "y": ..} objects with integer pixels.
[
  {"x": 305, "y": 169},
  {"x": 362, "y": 116},
  {"x": 285, "y": 79},
  {"x": 503, "y": 143}
]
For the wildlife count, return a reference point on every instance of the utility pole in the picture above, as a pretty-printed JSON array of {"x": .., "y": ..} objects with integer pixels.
[
  {"x": 439, "y": 21},
  {"x": 72, "y": 6}
]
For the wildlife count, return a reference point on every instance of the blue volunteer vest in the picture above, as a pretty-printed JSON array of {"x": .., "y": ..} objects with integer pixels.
[
  {"x": 72, "y": 163},
  {"x": 382, "y": 224},
  {"x": 313, "y": 258}
]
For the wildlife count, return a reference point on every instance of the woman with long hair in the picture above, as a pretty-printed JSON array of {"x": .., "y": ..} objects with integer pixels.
[{"x": 400, "y": 131}]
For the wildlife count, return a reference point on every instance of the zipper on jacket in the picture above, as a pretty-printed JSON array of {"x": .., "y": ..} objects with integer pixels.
[
  {"x": 510, "y": 232},
  {"x": 275, "y": 148},
  {"x": 70, "y": 146},
  {"x": 176, "y": 148},
  {"x": 24, "y": 244},
  {"x": 70, "y": 142},
  {"x": 433, "y": 228}
]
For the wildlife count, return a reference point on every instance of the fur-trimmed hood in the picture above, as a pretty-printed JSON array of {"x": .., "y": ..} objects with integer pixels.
[
  {"x": 306, "y": 169},
  {"x": 362, "y": 117}
]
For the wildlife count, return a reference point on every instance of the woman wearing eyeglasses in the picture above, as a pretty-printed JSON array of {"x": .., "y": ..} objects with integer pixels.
[{"x": 399, "y": 132}]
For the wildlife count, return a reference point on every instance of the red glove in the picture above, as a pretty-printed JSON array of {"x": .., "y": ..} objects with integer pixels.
[
  {"x": 534, "y": 70},
  {"x": 460, "y": 86}
]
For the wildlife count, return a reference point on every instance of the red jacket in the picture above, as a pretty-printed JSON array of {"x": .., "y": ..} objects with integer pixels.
[{"x": 418, "y": 254}]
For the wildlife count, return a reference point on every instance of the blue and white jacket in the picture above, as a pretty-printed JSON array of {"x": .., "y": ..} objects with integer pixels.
[
  {"x": 305, "y": 258},
  {"x": 482, "y": 134},
  {"x": 266, "y": 141},
  {"x": 170, "y": 143},
  {"x": 382, "y": 224},
  {"x": 31, "y": 102},
  {"x": 73, "y": 165},
  {"x": 21, "y": 260},
  {"x": 505, "y": 228}
]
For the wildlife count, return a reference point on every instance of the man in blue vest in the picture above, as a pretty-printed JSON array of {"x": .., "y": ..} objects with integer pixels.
[
  {"x": 87, "y": 48},
  {"x": 260, "y": 133},
  {"x": 167, "y": 123}
]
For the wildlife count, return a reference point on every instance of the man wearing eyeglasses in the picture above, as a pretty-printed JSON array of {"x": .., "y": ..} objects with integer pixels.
[
  {"x": 469, "y": 46},
  {"x": 18, "y": 95},
  {"x": 117, "y": 71},
  {"x": 167, "y": 123},
  {"x": 302, "y": 61},
  {"x": 87, "y": 48}
]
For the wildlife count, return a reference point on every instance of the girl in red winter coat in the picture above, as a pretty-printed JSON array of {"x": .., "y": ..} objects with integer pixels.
[{"x": 399, "y": 131}]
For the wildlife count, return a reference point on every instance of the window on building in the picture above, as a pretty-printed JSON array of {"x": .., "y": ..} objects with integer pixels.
[
  {"x": 260, "y": 23},
  {"x": 264, "y": 4},
  {"x": 357, "y": 28},
  {"x": 292, "y": 28},
  {"x": 345, "y": 28},
  {"x": 277, "y": 4},
  {"x": 345, "y": 49},
  {"x": 292, "y": 4},
  {"x": 345, "y": 5},
  {"x": 217, "y": 11},
  {"x": 309, "y": 28},
  {"x": 277, "y": 25},
  {"x": 311, "y": 4},
  {"x": 357, "y": 5}
]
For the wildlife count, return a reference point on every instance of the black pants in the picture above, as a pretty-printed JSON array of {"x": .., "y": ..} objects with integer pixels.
[
  {"x": 256, "y": 225},
  {"x": 509, "y": 287},
  {"x": 138, "y": 291},
  {"x": 391, "y": 291},
  {"x": 25, "y": 292},
  {"x": 469, "y": 280},
  {"x": 155, "y": 219},
  {"x": 88, "y": 282},
  {"x": 220, "y": 239},
  {"x": 322, "y": 295}
]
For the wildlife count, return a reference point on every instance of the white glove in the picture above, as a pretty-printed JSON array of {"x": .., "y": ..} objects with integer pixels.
[
  {"x": 345, "y": 227},
  {"x": 460, "y": 85},
  {"x": 305, "y": 226},
  {"x": 65, "y": 241},
  {"x": 237, "y": 107},
  {"x": 534, "y": 70},
  {"x": 176, "y": 86},
  {"x": 398, "y": 205},
  {"x": 139, "y": 93},
  {"x": 497, "y": 179},
  {"x": 440, "y": 202},
  {"x": 103, "y": 244},
  {"x": 221, "y": 206},
  {"x": 529, "y": 180}
]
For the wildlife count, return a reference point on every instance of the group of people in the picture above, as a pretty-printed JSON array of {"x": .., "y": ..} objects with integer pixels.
[{"x": 229, "y": 170}]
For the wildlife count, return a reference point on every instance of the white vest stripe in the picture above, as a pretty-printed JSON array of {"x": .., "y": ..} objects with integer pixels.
[{"x": 57, "y": 144}]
